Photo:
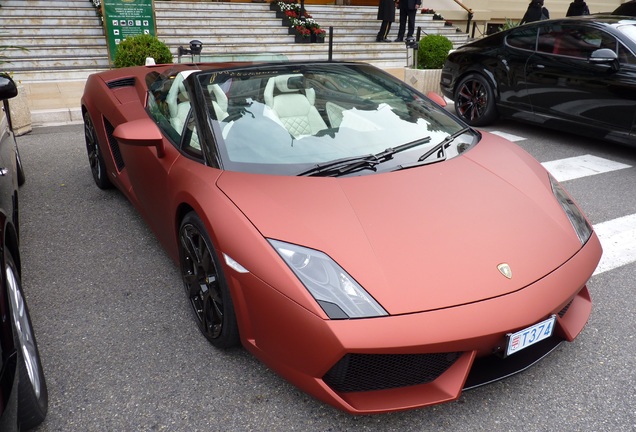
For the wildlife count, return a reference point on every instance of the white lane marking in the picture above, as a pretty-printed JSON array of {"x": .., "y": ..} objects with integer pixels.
[
  {"x": 509, "y": 137},
  {"x": 618, "y": 237},
  {"x": 581, "y": 166}
]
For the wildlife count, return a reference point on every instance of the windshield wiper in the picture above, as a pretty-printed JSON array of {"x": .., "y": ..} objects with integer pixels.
[
  {"x": 340, "y": 166},
  {"x": 348, "y": 165},
  {"x": 439, "y": 150}
]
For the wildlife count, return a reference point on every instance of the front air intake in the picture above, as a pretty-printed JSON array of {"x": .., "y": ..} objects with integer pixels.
[{"x": 367, "y": 372}]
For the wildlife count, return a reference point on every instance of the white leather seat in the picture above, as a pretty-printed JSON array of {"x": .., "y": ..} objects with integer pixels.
[
  {"x": 219, "y": 101},
  {"x": 178, "y": 101},
  {"x": 294, "y": 105}
]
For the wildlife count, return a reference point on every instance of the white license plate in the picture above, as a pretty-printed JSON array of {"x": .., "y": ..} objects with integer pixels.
[{"x": 530, "y": 335}]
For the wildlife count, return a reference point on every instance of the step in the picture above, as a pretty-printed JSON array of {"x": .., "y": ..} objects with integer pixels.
[
  {"x": 40, "y": 21},
  {"x": 49, "y": 12},
  {"x": 53, "y": 4},
  {"x": 179, "y": 6},
  {"x": 52, "y": 62},
  {"x": 47, "y": 41},
  {"x": 211, "y": 24},
  {"x": 29, "y": 31},
  {"x": 57, "y": 51}
]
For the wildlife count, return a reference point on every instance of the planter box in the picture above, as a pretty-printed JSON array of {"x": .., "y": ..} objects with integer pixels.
[
  {"x": 20, "y": 113},
  {"x": 299, "y": 39},
  {"x": 316, "y": 39},
  {"x": 424, "y": 80}
]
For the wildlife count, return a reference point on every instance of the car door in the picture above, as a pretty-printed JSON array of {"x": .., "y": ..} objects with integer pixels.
[
  {"x": 519, "y": 45},
  {"x": 149, "y": 170},
  {"x": 563, "y": 84}
]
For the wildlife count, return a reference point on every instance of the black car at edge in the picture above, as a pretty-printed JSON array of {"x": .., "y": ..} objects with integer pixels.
[
  {"x": 573, "y": 74},
  {"x": 23, "y": 391}
]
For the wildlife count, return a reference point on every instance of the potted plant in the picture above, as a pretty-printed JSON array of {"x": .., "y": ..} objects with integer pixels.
[
  {"x": 303, "y": 34},
  {"x": 432, "y": 51},
  {"x": 300, "y": 24},
  {"x": 134, "y": 50},
  {"x": 317, "y": 34}
]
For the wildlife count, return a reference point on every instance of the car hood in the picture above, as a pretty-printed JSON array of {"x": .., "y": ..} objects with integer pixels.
[{"x": 423, "y": 238}]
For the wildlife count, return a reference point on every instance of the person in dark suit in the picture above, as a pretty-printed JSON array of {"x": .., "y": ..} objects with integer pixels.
[
  {"x": 578, "y": 8},
  {"x": 408, "y": 9},
  {"x": 535, "y": 12},
  {"x": 386, "y": 14}
]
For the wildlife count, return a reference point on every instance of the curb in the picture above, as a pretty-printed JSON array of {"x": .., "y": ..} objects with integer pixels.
[{"x": 56, "y": 117}]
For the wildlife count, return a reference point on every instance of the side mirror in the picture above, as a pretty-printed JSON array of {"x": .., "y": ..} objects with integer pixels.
[
  {"x": 141, "y": 133},
  {"x": 8, "y": 89},
  {"x": 603, "y": 56},
  {"x": 437, "y": 99}
]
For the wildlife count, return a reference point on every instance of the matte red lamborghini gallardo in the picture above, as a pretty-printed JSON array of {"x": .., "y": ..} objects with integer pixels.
[{"x": 353, "y": 235}]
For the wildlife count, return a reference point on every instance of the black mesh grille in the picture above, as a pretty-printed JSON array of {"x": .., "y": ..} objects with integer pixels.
[
  {"x": 114, "y": 145},
  {"x": 365, "y": 372},
  {"x": 563, "y": 311},
  {"x": 124, "y": 82}
]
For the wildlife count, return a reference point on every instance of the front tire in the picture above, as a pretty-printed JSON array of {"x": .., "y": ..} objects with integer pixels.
[
  {"x": 205, "y": 284},
  {"x": 33, "y": 397},
  {"x": 95, "y": 158},
  {"x": 475, "y": 101}
]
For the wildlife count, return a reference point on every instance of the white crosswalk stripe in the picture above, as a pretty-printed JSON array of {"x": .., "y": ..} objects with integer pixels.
[
  {"x": 508, "y": 136},
  {"x": 618, "y": 237},
  {"x": 581, "y": 166}
]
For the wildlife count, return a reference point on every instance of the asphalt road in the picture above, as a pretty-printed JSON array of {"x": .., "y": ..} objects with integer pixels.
[{"x": 121, "y": 351}]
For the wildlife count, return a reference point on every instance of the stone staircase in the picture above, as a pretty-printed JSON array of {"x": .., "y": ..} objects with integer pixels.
[{"x": 65, "y": 39}]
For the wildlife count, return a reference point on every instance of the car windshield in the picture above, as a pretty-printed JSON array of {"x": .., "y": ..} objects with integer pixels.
[{"x": 296, "y": 119}]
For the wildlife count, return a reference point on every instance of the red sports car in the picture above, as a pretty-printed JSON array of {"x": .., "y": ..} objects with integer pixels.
[{"x": 353, "y": 235}]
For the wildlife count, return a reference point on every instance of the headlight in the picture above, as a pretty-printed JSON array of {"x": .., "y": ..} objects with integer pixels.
[
  {"x": 579, "y": 223},
  {"x": 339, "y": 295}
]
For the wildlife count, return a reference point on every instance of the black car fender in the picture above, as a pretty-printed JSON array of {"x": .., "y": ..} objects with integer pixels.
[{"x": 486, "y": 73}]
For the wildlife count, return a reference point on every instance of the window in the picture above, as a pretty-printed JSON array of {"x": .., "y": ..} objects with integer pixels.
[
  {"x": 158, "y": 110},
  {"x": 574, "y": 41},
  {"x": 625, "y": 56},
  {"x": 190, "y": 141},
  {"x": 523, "y": 38},
  {"x": 169, "y": 106}
]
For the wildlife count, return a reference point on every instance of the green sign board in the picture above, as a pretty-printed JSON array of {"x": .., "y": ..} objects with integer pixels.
[{"x": 125, "y": 18}]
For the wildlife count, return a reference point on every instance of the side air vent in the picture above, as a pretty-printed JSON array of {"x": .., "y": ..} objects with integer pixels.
[
  {"x": 114, "y": 145},
  {"x": 124, "y": 82}
]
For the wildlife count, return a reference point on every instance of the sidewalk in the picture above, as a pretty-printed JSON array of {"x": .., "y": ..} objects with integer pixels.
[{"x": 54, "y": 103}]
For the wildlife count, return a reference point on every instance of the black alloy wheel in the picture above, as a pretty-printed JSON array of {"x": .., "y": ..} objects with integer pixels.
[
  {"x": 32, "y": 390},
  {"x": 205, "y": 285},
  {"x": 475, "y": 101},
  {"x": 95, "y": 159}
]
